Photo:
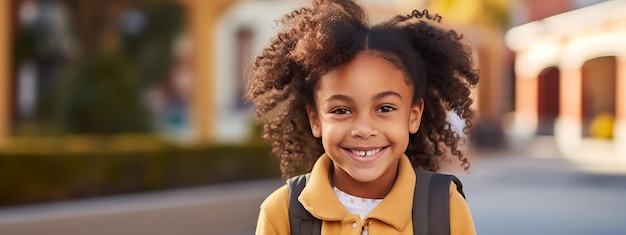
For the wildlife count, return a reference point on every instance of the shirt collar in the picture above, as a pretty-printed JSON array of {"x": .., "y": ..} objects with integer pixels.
[{"x": 395, "y": 209}]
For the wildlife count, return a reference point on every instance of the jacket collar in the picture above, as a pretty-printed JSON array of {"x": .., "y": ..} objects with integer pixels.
[{"x": 319, "y": 198}]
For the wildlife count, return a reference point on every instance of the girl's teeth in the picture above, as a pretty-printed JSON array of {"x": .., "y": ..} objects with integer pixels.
[{"x": 365, "y": 153}]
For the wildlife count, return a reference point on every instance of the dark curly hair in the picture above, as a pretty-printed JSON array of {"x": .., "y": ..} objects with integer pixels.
[{"x": 315, "y": 40}]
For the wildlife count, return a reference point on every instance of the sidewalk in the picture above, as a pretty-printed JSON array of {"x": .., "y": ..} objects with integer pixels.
[
  {"x": 229, "y": 209},
  {"x": 534, "y": 189}
]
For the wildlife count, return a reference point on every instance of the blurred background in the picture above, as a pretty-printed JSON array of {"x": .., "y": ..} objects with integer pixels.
[{"x": 127, "y": 116}]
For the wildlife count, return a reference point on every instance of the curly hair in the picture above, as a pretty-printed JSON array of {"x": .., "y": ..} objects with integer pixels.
[{"x": 317, "y": 39}]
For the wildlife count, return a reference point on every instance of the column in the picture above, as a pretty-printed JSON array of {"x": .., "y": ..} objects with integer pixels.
[
  {"x": 5, "y": 70},
  {"x": 526, "y": 104},
  {"x": 568, "y": 129},
  {"x": 620, "y": 107},
  {"x": 202, "y": 16}
]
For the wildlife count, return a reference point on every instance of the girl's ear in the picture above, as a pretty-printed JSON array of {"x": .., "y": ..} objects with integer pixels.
[
  {"x": 416, "y": 116},
  {"x": 314, "y": 122}
]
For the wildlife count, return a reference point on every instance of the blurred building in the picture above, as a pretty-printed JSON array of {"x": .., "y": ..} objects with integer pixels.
[{"x": 570, "y": 67}]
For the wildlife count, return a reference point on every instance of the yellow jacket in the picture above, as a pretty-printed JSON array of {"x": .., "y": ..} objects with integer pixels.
[{"x": 391, "y": 216}]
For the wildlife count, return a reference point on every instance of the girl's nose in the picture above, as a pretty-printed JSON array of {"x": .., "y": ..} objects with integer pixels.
[{"x": 364, "y": 128}]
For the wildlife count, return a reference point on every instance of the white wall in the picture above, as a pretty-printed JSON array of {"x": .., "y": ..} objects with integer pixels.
[{"x": 232, "y": 122}]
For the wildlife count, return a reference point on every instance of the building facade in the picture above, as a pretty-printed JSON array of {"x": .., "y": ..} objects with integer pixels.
[{"x": 571, "y": 80}]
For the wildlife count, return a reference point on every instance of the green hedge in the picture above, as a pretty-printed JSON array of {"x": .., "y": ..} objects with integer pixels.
[{"x": 35, "y": 177}]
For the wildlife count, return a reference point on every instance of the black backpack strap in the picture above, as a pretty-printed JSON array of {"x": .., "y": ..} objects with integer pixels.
[
  {"x": 420, "y": 201},
  {"x": 300, "y": 220},
  {"x": 431, "y": 202},
  {"x": 439, "y": 210}
]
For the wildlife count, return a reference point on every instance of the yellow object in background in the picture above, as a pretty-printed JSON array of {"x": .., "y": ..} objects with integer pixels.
[{"x": 602, "y": 126}]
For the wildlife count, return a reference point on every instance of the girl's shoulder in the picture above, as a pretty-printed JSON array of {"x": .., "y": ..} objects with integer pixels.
[
  {"x": 277, "y": 200},
  {"x": 274, "y": 216}
]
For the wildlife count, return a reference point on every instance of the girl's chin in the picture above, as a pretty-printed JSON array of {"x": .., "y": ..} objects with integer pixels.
[{"x": 364, "y": 176}]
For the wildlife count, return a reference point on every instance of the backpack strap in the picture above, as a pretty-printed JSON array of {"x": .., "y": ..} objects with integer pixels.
[
  {"x": 420, "y": 201},
  {"x": 431, "y": 202},
  {"x": 300, "y": 220},
  {"x": 439, "y": 200}
]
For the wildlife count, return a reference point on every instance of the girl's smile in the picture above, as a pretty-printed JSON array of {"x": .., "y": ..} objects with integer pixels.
[{"x": 366, "y": 156}]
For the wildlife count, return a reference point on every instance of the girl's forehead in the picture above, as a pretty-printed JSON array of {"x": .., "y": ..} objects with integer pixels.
[
  {"x": 364, "y": 74},
  {"x": 368, "y": 61}
]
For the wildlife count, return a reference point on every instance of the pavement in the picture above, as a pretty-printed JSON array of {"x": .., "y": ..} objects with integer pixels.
[
  {"x": 528, "y": 189},
  {"x": 229, "y": 209},
  {"x": 524, "y": 195}
]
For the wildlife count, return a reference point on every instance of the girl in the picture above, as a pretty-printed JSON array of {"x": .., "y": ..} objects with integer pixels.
[{"x": 359, "y": 107}]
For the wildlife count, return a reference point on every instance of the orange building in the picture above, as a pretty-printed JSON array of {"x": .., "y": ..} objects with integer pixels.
[{"x": 571, "y": 81}]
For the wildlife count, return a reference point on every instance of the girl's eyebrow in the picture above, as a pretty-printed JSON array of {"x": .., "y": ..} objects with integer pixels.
[
  {"x": 387, "y": 93},
  {"x": 378, "y": 96},
  {"x": 338, "y": 98}
]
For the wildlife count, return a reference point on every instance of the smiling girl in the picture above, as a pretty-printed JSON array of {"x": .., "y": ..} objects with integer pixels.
[{"x": 359, "y": 107}]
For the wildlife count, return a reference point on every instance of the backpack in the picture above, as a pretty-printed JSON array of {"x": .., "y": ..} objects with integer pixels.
[{"x": 431, "y": 205}]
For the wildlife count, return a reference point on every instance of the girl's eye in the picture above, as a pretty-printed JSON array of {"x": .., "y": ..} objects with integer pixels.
[
  {"x": 341, "y": 111},
  {"x": 385, "y": 109}
]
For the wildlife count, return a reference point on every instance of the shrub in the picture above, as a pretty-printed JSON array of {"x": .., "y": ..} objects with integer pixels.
[{"x": 29, "y": 177}]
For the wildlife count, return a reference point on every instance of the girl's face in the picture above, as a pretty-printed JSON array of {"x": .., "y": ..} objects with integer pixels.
[{"x": 364, "y": 114}]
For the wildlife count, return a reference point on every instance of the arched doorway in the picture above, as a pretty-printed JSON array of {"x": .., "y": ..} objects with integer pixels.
[
  {"x": 598, "y": 97},
  {"x": 547, "y": 100}
]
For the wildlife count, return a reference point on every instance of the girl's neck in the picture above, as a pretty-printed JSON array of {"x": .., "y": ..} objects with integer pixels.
[{"x": 377, "y": 189}]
